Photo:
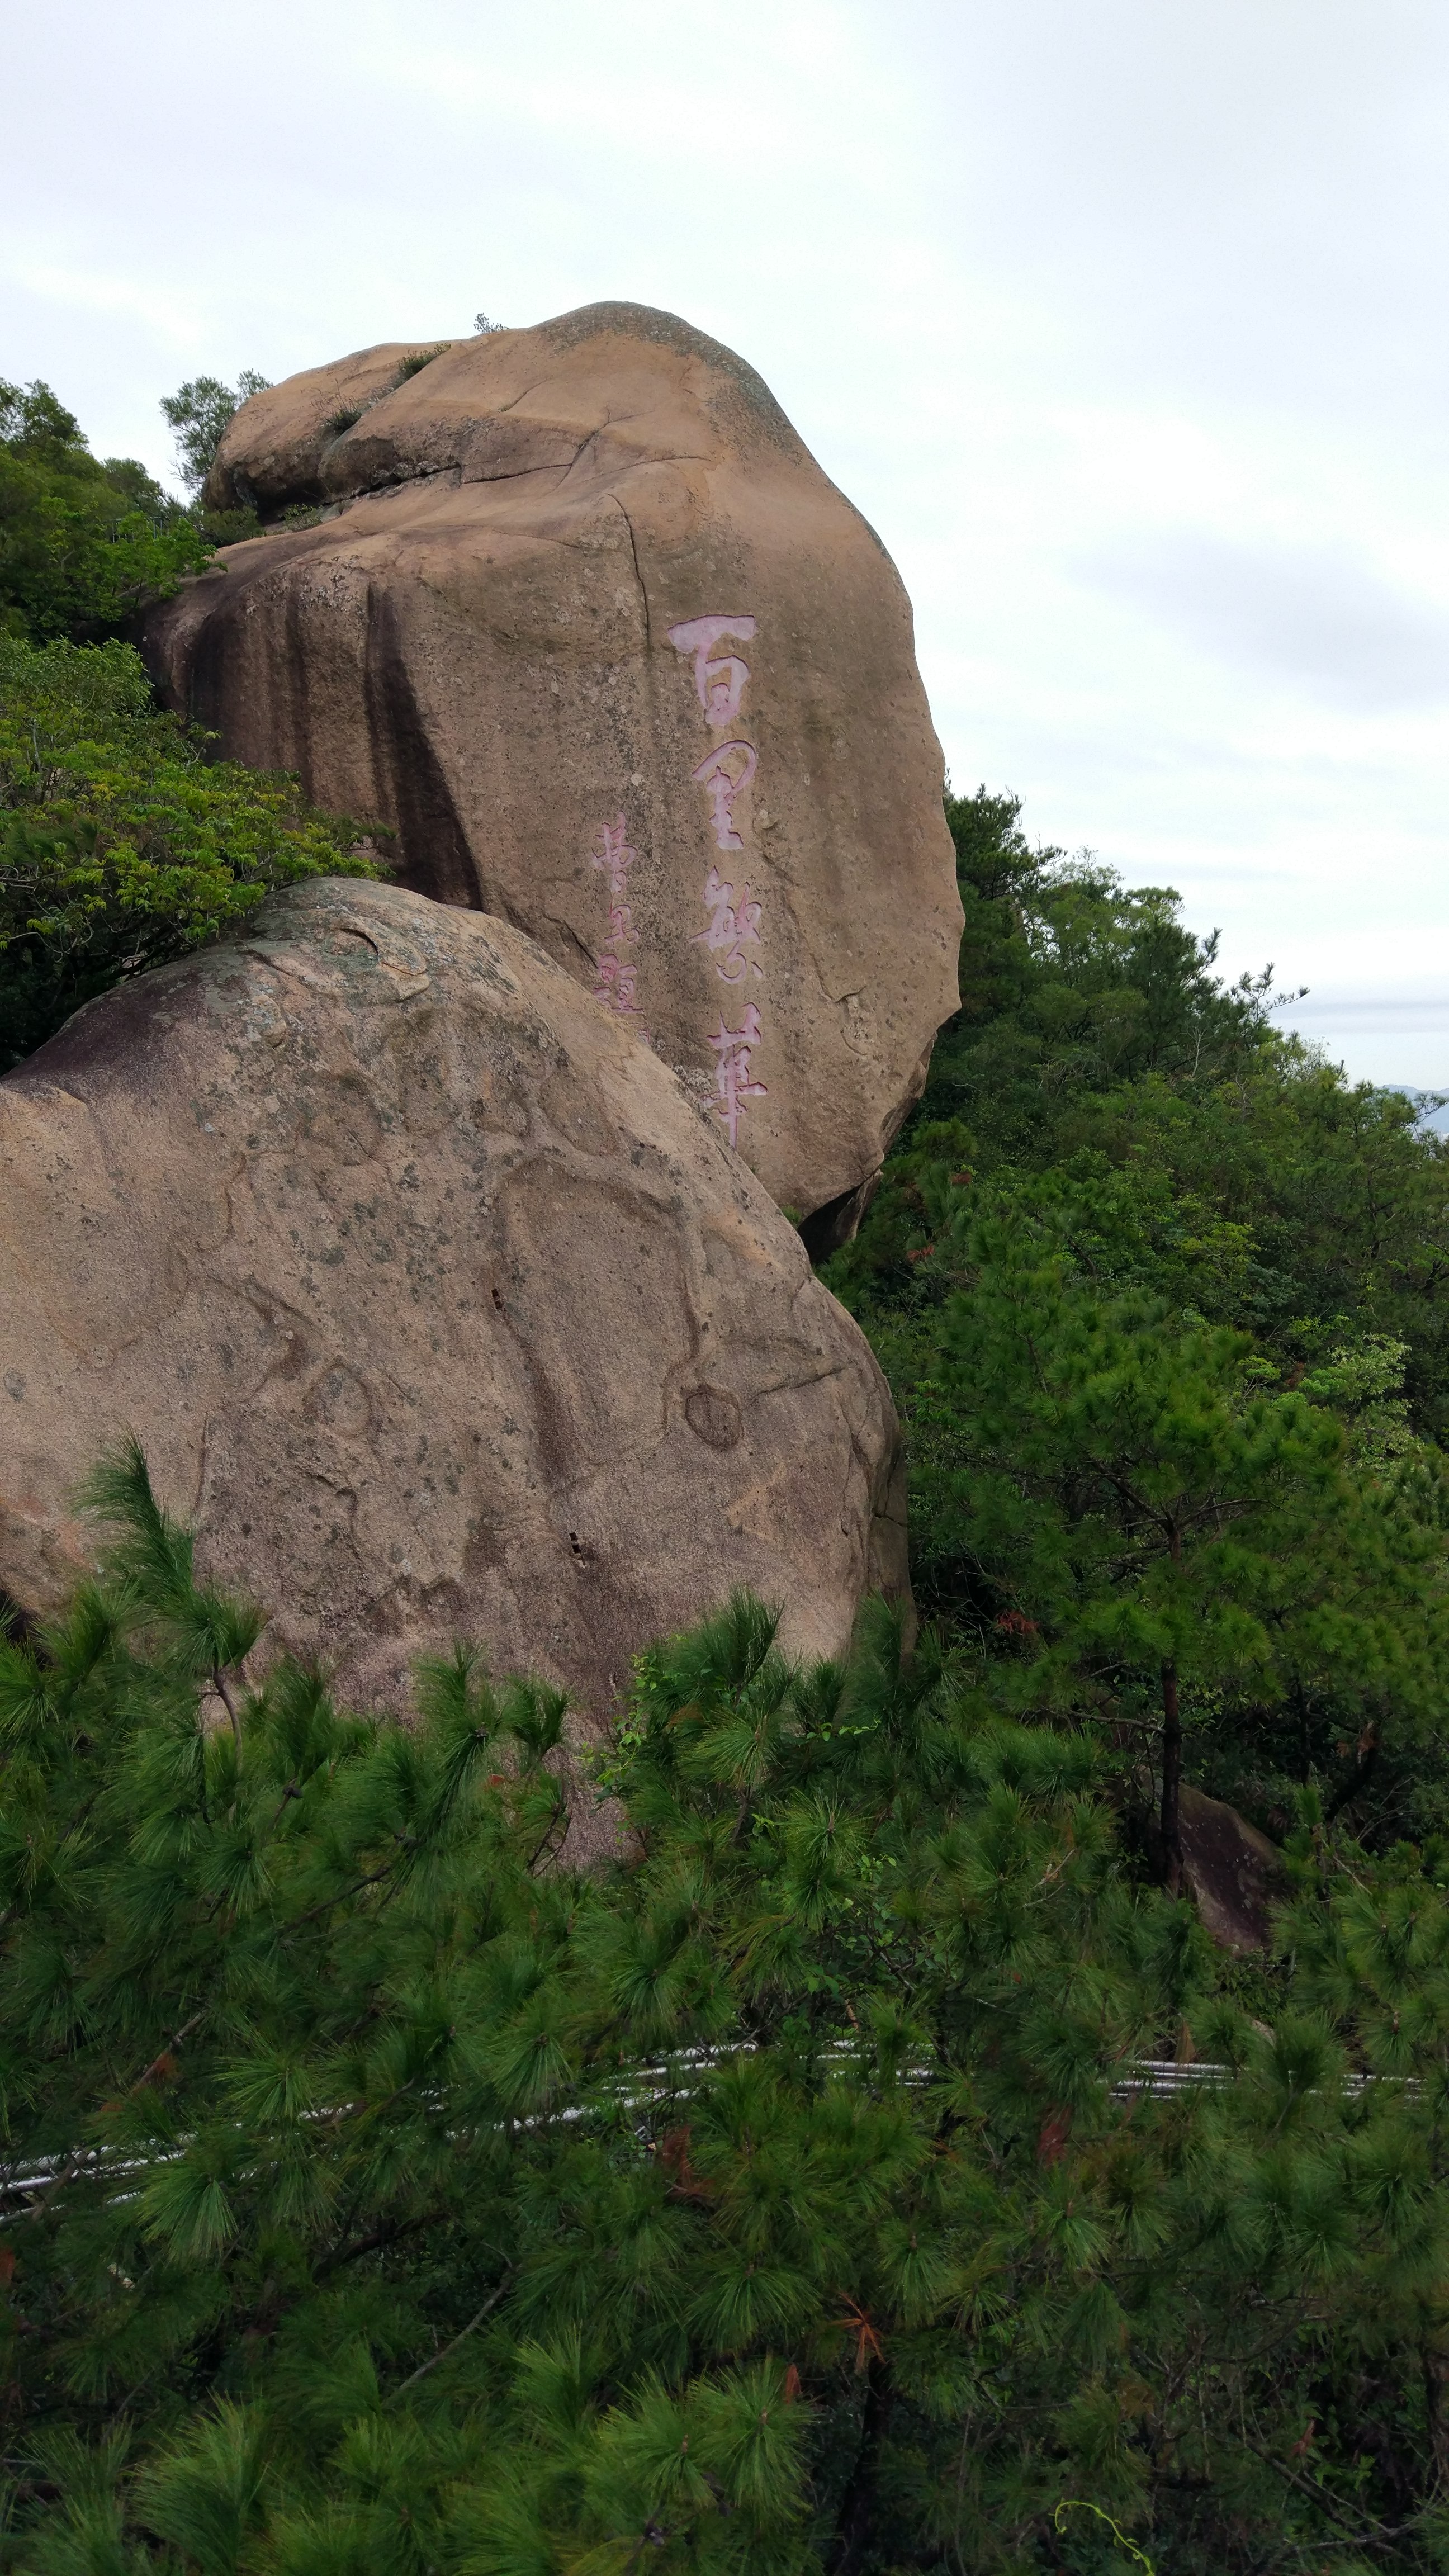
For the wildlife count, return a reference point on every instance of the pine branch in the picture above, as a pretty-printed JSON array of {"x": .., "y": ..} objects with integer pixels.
[
  {"x": 82, "y": 2156},
  {"x": 449, "y": 2348},
  {"x": 380, "y": 2239},
  {"x": 1361, "y": 2534},
  {"x": 218, "y": 1684}
]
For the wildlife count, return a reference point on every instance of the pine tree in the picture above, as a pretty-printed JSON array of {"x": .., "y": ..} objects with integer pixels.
[
  {"x": 383, "y": 2195},
  {"x": 1155, "y": 1532}
]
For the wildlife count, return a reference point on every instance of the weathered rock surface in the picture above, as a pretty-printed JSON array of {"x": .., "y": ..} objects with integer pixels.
[
  {"x": 594, "y": 633},
  {"x": 433, "y": 1299},
  {"x": 1234, "y": 1873}
]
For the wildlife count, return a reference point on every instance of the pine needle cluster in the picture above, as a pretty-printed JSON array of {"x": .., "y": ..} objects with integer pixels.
[{"x": 381, "y": 2194}]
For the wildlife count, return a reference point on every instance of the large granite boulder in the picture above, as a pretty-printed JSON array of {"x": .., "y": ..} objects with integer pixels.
[
  {"x": 433, "y": 1300},
  {"x": 588, "y": 627}
]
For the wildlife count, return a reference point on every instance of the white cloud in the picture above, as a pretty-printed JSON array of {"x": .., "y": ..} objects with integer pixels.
[
  {"x": 1316, "y": 619},
  {"x": 164, "y": 314}
]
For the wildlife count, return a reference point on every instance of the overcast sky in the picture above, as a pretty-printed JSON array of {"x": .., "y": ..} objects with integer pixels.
[{"x": 1122, "y": 320}]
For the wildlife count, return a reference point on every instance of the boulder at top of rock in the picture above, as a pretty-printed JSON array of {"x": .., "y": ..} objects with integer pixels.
[
  {"x": 290, "y": 427},
  {"x": 435, "y": 1303},
  {"x": 586, "y": 625}
]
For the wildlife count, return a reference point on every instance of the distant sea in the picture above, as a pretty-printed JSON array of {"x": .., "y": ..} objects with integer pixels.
[{"x": 1433, "y": 1106}]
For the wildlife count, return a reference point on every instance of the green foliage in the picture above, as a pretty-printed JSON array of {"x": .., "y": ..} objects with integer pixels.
[
  {"x": 121, "y": 843},
  {"x": 1092, "y": 1024},
  {"x": 83, "y": 544},
  {"x": 198, "y": 413},
  {"x": 1073, "y": 985},
  {"x": 385, "y": 2195},
  {"x": 1162, "y": 1300},
  {"x": 1152, "y": 1535},
  {"x": 381, "y": 2192},
  {"x": 420, "y": 358}
]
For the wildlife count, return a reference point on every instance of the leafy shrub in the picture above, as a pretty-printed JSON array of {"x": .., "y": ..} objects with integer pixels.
[
  {"x": 121, "y": 843},
  {"x": 303, "y": 514},
  {"x": 420, "y": 358},
  {"x": 227, "y": 527}
]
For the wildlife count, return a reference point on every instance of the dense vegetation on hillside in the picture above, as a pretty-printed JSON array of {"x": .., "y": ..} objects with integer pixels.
[
  {"x": 85, "y": 541},
  {"x": 1165, "y": 1303},
  {"x": 82, "y": 542},
  {"x": 122, "y": 842},
  {"x": 385, "y": 2197},
  {"x": 380, "y": 2195}
]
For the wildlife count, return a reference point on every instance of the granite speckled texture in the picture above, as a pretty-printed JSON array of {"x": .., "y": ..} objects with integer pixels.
[
  {"x": 585, "y": 581},
  {"x": 433, "y": 1299}
]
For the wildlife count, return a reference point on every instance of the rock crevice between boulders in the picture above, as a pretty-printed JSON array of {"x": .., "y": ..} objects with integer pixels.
[{"x": 645, "y": 688}]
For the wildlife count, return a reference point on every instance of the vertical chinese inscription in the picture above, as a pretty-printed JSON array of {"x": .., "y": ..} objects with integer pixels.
[
  {"x": 732, "y": 936},
  {"x": 616, "y": 973},
  {"x": 732, "y": 1079},
  {"x": 719, "y": 682},
  {"x": 734, "y": 927},
  {"x": 724, "y": 774}
]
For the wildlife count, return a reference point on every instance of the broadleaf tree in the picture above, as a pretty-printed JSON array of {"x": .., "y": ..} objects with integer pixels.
[
  {"x": 197, "y": 415},
  {"x": 123, "y": 843},
  {"x": 83, "y": 542}
]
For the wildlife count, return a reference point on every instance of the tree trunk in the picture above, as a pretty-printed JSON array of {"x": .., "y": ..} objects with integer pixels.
[
  {"x": 1168, "y": 1819},
  {"x": 1359, "y": 1777},
  {"x": 857, "y": 2505},
  {"x": 1435, "y": 2363},
  {"x": 1305, "y": 1746}
]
